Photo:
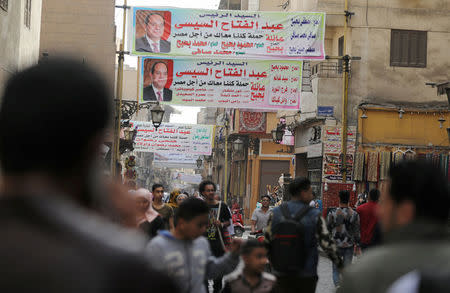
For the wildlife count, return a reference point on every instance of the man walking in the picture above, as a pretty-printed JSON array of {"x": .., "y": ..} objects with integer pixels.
[
  {"x": 415, "y": 228},
  {"x": 162, "y": 208},
  {"x": 218, "y": 220},
  {"x": 370, "y": 229},
  {"x": 299, "y": 274},
  {"x": 343, "y": 223},
  {"x": 52, "y": 239},
  {"x": 260, "y": 217},
  {"x": 185, "y": 255}
]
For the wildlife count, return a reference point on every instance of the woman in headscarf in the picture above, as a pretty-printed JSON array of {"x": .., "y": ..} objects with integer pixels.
[
  {"x": 180, "y": 198},
  {"x": 173, "y": 198},
  {"x": 148, "y": 220}
]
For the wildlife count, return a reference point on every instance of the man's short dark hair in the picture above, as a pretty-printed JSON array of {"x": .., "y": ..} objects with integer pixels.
[
  {"x": 191, "y": 208},
  {"x": 156, "y": 185},
  {"x": 147, "y": 18},
  {"x": 154, "y": 65},
  {"x": 374, "y": 194},
  {"x": 251, "y": 245},
  {"x": 298, "y": 185},
  {"x": 344, "y": 196},
  {"x": 266, "y": 196},
  {"x": 423, "y": 184},
  {"x": 203, "y": 184},
  {"x": 49, "y": 115}
]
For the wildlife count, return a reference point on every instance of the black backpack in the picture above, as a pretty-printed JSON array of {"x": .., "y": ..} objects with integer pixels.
[{"x": 287, "y": 249}]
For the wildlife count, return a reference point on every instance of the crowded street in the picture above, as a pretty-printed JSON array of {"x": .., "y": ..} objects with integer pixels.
[{"x": 224, "y": 146}]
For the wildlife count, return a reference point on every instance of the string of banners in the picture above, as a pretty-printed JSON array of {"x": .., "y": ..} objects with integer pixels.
[
  {"x": 226, "y": 33},
  {"x": 222, "y": 58}
]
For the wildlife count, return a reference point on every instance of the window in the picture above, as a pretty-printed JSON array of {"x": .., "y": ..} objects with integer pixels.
[
  {"x": 408, "y": 48},
  {"x": 4, "y": 4},
  {"x": 28, "y": 13}
]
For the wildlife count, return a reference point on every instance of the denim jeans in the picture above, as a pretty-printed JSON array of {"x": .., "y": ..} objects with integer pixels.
[{"x": 347, "y": 255}]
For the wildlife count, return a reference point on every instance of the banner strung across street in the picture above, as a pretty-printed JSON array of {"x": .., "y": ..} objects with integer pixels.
[
  {"x": 251, "y": 84},
  {"x": 173, "y": 138},
  {"x": 226, "y": 33}
]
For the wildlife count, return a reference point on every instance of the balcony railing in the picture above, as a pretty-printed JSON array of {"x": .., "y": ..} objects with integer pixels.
[{"x": 327, "y": 69}]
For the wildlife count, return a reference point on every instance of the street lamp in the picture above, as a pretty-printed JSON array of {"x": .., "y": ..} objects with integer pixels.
[
  {"x": 157, "y": 113},
  {"x": 238, "y": 145},
  {"x": 199, "y": 163}
]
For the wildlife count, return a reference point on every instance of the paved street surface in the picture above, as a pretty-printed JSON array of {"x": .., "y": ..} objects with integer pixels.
[{"x": 325, "y": 272}]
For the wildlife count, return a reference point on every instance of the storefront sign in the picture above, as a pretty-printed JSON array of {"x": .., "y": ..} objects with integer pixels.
[
  {"x": 325, "y": 111},
  {"x": 332, "y": 149},
  {"x": 174, "y": 138},
  {"x": 226, "y": 33}
]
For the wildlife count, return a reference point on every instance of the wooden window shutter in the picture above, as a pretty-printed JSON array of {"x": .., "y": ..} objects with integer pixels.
[{"x": 408, "y": 48}]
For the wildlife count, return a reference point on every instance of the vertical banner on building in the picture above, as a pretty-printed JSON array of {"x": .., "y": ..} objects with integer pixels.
[
  {"x": 226, "y": 33},
  {"x": 251, "y": 84},
  {"x": 332, "y": 148}
]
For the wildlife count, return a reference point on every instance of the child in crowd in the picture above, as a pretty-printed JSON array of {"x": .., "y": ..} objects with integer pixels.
[
  {"x": 252, "y": 278},
  {"x": 185, "y": 255}
]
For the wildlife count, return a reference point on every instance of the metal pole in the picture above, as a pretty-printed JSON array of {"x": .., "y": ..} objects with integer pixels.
[
  {"x": 344, "y": 99},
  {"x": 225, "y": 183},
  {"x": 118, "y": 101}
]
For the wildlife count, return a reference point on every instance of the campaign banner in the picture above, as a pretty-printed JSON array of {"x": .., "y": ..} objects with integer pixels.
[
  {"x": 251, "y": 84},
  {"x": 222, "y": 34},
  {"x": 173, "y": 138},
  {"x": 175, "y": 158}
]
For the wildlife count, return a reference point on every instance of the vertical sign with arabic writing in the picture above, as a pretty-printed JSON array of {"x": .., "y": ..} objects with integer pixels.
[
  {"x": 226, "y": 33},
  {"x": 174, "y": 138},
  {"x": 332, "y": 148},
  {"x": 251, "y": 84}
]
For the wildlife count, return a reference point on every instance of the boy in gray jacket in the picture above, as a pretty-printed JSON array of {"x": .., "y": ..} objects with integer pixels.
[{"x": 185, "y": 255}]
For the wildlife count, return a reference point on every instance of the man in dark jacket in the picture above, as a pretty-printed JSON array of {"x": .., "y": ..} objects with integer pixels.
[
  {"x": 316, "y": 233},
  {"x": 414, "y": 212},
  {"x": 52, "y": 119}
]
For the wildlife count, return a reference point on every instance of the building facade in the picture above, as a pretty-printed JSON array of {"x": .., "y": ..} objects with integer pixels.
[
  {"x": 402, "y": 45},
  {"x": 84, "y": 30},
  {"x": 20, "y": 26}
]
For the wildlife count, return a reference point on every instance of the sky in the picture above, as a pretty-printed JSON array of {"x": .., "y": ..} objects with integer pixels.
[{"x": 189, "y": 114}]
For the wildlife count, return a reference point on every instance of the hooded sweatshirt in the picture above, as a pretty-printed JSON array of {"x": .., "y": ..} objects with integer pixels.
[{"x": 188, "y": 262}]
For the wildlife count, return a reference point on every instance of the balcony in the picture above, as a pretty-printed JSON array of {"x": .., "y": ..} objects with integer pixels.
[{"x": 327, "y": 69}]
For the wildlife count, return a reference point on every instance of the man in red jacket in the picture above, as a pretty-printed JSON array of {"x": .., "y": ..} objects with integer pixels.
[{"x": 368, "y": 219}]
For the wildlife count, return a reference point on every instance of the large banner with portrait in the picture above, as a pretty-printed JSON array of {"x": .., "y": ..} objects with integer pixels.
[
  {"x": 173, "y": 138},
  {"x": 225, "y": 83},
  {"x": 226, "y": 33}
]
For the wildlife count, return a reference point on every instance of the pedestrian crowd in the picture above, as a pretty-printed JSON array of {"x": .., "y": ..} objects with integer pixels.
[{"x": 67, "y": 228}]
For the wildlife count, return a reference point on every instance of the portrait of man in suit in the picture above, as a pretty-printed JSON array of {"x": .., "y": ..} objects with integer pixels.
[
  {"x": 154, "y": 30},
  {"x": 156, "y": 91}
]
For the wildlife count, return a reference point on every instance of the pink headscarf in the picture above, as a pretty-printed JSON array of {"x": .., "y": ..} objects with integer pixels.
[{"x": 150, "y": 214}]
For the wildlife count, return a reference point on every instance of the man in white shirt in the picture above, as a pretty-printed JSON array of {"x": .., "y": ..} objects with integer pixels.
[
  {"x": 154, "y": 30},
  {"x": 157, "y": 91}
]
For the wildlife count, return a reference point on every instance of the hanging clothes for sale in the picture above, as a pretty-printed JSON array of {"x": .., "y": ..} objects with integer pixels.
[
  {"x": 358, "y": 167},
  {"x": 385, "y": 164},
  {"x": 372, "y": 167}
]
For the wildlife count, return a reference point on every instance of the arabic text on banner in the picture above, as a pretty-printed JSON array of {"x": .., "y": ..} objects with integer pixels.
[
  {"x": 251, "y": 84},
  {"x": 228, "y": 34},
  {"x": 174, "y": 138}
]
